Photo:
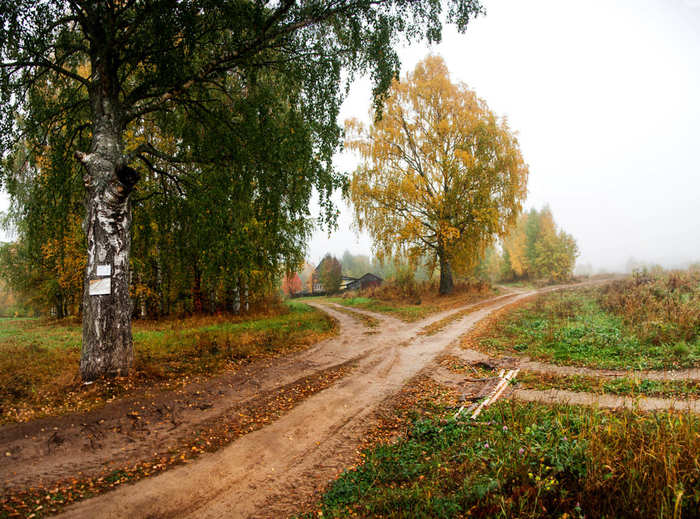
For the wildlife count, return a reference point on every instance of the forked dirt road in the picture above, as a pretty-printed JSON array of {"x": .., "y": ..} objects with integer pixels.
[
  {"x": 266, "y": 472},
  {"x": 270, "y": 471}
]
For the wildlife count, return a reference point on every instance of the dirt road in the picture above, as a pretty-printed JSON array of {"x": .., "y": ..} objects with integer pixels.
[
  {"x": 267, "y": 472},
  {"x": 264, "y": 473}
]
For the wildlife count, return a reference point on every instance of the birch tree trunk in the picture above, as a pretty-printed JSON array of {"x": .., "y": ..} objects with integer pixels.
[{"x": 107, "y": 342}]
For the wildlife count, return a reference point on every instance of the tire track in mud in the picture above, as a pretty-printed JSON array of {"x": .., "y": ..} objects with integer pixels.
[
  {"x": 257, "y": 475},
  {"x": 554, "y": 369},
  {"x": 38, "y": 461}
]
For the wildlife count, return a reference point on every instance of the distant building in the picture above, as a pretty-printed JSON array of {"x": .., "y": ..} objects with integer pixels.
[
  {"x": 366, "y": 281},
  {"x": 346, "y": 282},
  {"x": 316, "y": 284}
]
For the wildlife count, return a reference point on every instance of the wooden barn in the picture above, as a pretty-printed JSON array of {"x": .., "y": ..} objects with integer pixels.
[{"x": 366, "y": 281}]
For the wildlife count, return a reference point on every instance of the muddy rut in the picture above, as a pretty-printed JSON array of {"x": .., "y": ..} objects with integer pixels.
[
  {"x": 47, "y": 450},
  {"x": 266, "y": 473},
  {"x": 561, "y": 396},
  {"x": 263, "y": 473}
]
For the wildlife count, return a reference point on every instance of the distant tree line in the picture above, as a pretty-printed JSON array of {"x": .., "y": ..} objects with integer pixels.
[{"x": 535, "y": 249}]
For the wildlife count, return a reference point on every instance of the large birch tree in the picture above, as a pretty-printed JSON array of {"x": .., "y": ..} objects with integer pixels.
[
  {"x": 442, "y": 176},
  {"x": 145, "y": 60}
]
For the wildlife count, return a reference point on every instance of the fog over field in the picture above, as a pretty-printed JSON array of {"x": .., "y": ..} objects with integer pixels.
[{"x": 604, "y": 96}]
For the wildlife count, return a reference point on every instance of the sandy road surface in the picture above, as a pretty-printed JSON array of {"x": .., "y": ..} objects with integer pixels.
[
  {"x": 268, "y": 472},
  {"x": 263, "y": 473},
  {"x": 47, "y": 450},
  {"x": 561, "y": 396}
]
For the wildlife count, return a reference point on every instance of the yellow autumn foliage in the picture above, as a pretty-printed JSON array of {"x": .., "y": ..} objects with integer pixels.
[
  {"x": 441, "y": 175},
  {"x": 538, "y": 250},
  {"x": 65, "y": 259}
]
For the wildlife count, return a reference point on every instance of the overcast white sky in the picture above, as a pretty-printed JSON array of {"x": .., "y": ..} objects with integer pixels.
[{"x": 605, "y": 97}]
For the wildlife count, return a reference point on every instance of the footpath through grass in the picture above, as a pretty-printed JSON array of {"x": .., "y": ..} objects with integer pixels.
[
  {"x": 629, "y": 325},
  {"x": 631, "y": 385},
  {"x": 39, "y": 359},
  {"x": 528, "y": 460},
  {"x": 624, "y": 386}
]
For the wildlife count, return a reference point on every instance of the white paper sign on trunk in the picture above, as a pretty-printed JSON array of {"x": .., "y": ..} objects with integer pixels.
[{"x": 100, "y": 287}]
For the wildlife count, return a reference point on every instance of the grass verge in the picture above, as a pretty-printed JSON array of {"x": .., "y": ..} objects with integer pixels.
[
  {"x": 572, "y": 327},
  {"x": 417, "y": 304},
  {"x": 528, "y": 460},
  {"x": 39, "y": 360}
]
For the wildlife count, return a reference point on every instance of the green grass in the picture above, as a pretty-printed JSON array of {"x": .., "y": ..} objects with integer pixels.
[
  {"x": 528, "y": 460},
  {"x": 39, "y": 359},
  {"x": 165, "y": 341},
  {"x": 571, "y": 327},
  {"x": 408, "y": 313},
  {"x": 36, "y": 333}
]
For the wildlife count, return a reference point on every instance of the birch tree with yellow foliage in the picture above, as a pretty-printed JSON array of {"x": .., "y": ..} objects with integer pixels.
[{"x": 441, "y": 176}]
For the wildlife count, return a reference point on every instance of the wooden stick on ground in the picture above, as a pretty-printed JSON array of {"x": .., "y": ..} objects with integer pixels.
[
  {"x": 500, "y": 388},
  {"x": 494, "y": 395}
]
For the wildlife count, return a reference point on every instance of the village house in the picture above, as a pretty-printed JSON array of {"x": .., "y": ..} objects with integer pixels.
[{"x": 346, "y": 282}]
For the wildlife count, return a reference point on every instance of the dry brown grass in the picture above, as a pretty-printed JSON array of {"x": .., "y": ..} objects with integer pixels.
[
  {"x": 660, "y": 308},
  {"x": 426, "y": 292}
]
